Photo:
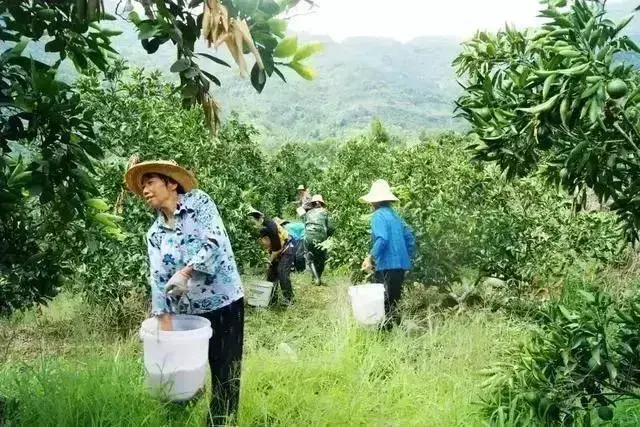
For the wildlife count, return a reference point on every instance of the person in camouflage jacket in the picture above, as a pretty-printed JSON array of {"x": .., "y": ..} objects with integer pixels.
[{"x": 318, "y": 228}]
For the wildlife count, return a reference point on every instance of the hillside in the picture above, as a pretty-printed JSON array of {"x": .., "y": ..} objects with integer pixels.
[{"x": 409, "y": 86}]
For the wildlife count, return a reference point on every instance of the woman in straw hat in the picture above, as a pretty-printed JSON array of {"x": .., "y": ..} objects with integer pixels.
[
  {"x": 193, "y": 270},
  {"x": 393, "y": 246},
  {"x": 303, "y": 200},
  {"x": 318, "y": 228}
]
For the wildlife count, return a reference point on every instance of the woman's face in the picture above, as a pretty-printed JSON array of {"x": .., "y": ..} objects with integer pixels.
[{"x": 156, "y": 192}]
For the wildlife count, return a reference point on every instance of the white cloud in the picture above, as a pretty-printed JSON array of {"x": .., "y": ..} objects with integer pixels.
[{"x": 406, "y": 19}]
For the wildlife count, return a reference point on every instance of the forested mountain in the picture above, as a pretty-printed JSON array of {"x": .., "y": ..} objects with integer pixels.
[{"x": 409, "y": 86}]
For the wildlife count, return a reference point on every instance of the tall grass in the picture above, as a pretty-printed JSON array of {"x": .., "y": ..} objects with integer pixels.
[{"x": 308, "y": 365}]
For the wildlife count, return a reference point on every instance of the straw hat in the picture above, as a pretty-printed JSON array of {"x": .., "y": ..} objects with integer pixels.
[
  {"x": 133, "y": 176},
  {"x": 318, "y": 198},
  {"x": 380, "y": 192},
  {"x": 281, "y": 222},
  {"x": 301, "y": 187}
]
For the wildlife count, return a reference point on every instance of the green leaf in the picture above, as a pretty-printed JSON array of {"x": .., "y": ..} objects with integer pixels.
[
  {"x": 19, "y": 47},
  {"x": 632, "y": 45},
  {"x": 92, "y": 149},
  {"x": 548, "y": 82},
  {"x": 566, "y": 313},
  {"x": 191, "y": 72},
  {"x": 180, "y": 65},
  {"x": 588, "y": 296},
  {"x": 147, "y": 30},
  {"x": 286, "y": 48},
  {"x": 110, "y": 33},
  {"x": 541, "y": 108},
  {"x": 162, "y": 9},
  {"x": 134, "y": 17},
  {"x": 307, "y": 50},
  {"x": 613, "y": 372},
  {"x": 47, "y": 14},
  {"x": 55, "y": 45},
  {"x": 594, "y": 110},
  {"x": 278, "y": 26},
  {"x": 258, "y": 77},
  {"x": 214, "y": 59},
  {"x": 279, "y": 73},
  {"x": 622, "y": 25},
  {"x": 304, "y": 71},
  {"x": 211, "y": 77},
  {"x": 98, "y": 204},
  {"x": 269, "y": 7}
]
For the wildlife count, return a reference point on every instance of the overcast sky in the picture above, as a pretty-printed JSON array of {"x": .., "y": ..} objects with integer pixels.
[{"x": 406, "y": 19}]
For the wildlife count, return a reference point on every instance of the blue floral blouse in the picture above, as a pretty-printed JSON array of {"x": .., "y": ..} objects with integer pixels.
[{"x": 198, "y": 239}]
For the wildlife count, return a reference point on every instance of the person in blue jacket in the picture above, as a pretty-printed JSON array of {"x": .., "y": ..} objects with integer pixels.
[
  {"x": 296, "y": 231},
  {"x": 393, "y": 247}
]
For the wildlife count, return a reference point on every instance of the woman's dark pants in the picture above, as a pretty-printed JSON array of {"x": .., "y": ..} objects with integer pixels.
[
  {"x": 393, "y": 281},
  {"x": 225, "y": 358}
]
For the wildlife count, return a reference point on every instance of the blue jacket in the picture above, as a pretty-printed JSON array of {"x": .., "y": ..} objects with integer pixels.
[
  {"x": 393, "y": 241},
  {"x": 295, "y": 230}
]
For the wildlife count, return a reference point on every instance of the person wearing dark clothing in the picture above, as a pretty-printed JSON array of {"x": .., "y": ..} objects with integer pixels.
[
  {"x": 393, "y": 247},
  {"x": 225, "y": 357},
  {"x": 281, "y": 255},
  {"x": 296, "y": 233},
  {"x": 318, "y": 228}
]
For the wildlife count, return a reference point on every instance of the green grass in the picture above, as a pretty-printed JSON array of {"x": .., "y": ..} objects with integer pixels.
[{"x": 64, "y": 371}]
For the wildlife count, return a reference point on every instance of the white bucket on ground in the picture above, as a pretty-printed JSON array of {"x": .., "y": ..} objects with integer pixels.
[
  {"x": 367, "y": 302},
  {"x": 259, "y": 293},
  {"x": 176, "y": 361}
]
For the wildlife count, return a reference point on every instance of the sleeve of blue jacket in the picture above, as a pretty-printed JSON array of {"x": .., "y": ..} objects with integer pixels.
[
  {"x": 409, "y": 239},
  {"x": 380, "y": 237}
]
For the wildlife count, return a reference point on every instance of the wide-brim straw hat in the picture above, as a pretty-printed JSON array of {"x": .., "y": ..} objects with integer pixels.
[
  {"x": 133, "y": 176},
  {"x": 380, "y": 192},
  {"x": 281, "y": 222},
  {"x": 318, "y": 198}
]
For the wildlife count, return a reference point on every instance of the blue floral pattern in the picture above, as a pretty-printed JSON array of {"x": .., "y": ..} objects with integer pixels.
[{"x": 197, "y": 239}]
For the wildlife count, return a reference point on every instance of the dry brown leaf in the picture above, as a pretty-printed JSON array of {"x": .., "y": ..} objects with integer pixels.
[
  {"x": 246, "y": 35},
  {"x": 217, "y": 28},
  {"x": 224, "y": 17}
]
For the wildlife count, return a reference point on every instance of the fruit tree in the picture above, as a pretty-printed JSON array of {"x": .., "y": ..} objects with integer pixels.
[{"x": 559, "y": 101}]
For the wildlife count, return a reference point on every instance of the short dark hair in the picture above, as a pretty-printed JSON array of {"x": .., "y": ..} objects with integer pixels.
[
  {"x": 166, "y": 179},
  {"x": 382, "y": 204},
  {"x": 257, "y": 215}
]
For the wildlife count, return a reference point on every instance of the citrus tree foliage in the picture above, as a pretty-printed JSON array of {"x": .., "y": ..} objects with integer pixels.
[
  {"x": 465, "y": 215},
  {"x": 138, "y": 113},
  {"x": 242, "y": 26},
  {"x": 48, "y": 143},
  {"x": 288, "y": 167},
  {"x": 556, "y": 100},
  {"x": 580, "y": 362}
]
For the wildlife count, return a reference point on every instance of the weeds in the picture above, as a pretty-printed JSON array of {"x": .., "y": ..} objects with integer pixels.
[{"x": 330, "y": 372}]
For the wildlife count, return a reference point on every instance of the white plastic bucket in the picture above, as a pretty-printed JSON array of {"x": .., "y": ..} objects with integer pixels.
[
  {"x": 259, "y": 294},
  {"x": 176, "y": 361},
  {"x": 367, "y": 302}
]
